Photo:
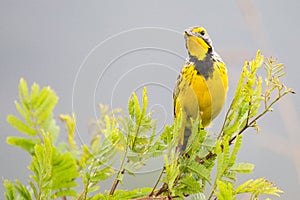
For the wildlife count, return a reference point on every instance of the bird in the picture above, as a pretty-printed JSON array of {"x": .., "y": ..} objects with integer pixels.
[{"x": 201, "y": 87}]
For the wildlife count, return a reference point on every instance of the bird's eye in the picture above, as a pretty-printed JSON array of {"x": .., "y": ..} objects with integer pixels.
[{"x": 202, "y": 33}]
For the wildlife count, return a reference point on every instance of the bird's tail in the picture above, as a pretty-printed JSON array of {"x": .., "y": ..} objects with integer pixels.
[
  {"x": 185, "y": 133},
  {"x": 181, "y": 147}
]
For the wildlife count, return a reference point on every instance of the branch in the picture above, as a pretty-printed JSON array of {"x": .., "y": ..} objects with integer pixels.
[
  {"x": 116, "y": 183},
  {"x": 152, "y": 192},
  {"x": 153, "y": 198},
  {"x": 267, "y": 109},
  {"x": 163, "y": 188}
]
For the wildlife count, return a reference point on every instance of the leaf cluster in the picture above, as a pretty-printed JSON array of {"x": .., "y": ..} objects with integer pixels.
[
  {"x": 36, "y": 116},
  {"x": 189, "y": 173},
  {"x": 53, "y": 172},
  {"x": 68, "y": 170}
]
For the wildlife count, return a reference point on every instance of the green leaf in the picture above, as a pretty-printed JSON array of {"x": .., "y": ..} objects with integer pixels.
[
  {"x": 64, "y": 171},
  {"x": 23, "y": 91},
  {"x": 10, "y": 193},
  {"x": 132, "y": 194},
  {"x": 41, "y": 166},
  {"x": 198, "y": 196},
  {"x": 235, "y": 150},
  {"x": 137, "y": 110},
  {"x": 144, "y": 102},
  {"x": 256, "y": 98},
  {"x": 172, "y": 171},
  {"x": 223, "y": 153},
  {"x": 258, "y": 187},
  {"x": 46, "y": 104},
  {"x": 49, "y": 125},
  {"x": 244, "y": 168},
  {"x": 23, "y": 191},
  {"x": 20, "y": 125},
  {"x": 131, "y": 108},
  {"x": 225, "y": 191},
  {"x": 35, "y": 90},
  {"x": 24, "y": 143},
  {"x": 200, "y": 170},
  {"x": 35, "y": 107},
  {"x": 191, "y": 185},
  {"x": 34, "y": 189},
  {"x": 70, "y": 122},
  {"x": 64, "y": 193},
  {"x": 53, "y": 173},
  {"x": 205, "y": 148},
  {"x": 25, "y": 113},
  {"x": 103, "y": 174}
]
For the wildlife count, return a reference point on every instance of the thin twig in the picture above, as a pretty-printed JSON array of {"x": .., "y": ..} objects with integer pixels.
[
  {"x": 156, "y": 183},
  {"x": 163, "y": 188},
  {"x": 116, "y": 182},
  {"x": 121, "y": 171},
  {"x": 227, "y": 113},
  {"x": 260, "y": 115},
  {"x": 84, "y": 193}
]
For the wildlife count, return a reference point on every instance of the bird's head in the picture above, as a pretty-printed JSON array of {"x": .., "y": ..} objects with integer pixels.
[{"x": 198, "y": 42}]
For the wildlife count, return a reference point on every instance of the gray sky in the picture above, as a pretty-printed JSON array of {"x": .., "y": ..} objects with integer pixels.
[{"x": 91, "y": 52}]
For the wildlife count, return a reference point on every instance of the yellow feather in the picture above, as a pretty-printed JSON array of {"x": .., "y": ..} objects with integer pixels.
[
  {"x": 197, "y": 94},
  {"x": 202, "y": 84},
  {"x": 197, "y": 47}
]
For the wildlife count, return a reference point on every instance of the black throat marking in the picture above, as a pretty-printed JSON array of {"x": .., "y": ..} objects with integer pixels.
[{"x": 204, "y": 67}]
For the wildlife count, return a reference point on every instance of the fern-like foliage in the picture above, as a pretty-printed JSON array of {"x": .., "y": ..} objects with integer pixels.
[
  {"x": 258, "y": 187},
  {"x": 36, "y": 116},
  {"x": 53, "y": 172},
  {"x": 137, "y": 141},
  {"x": 253, "y": 98},
  {"x": 247, "y": 98},
  {"x": 53, "y": 175},
  {"x": 68, "y": 170}
]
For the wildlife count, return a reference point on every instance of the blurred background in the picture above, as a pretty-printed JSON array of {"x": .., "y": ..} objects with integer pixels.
[{"x": 95, "y": 52}]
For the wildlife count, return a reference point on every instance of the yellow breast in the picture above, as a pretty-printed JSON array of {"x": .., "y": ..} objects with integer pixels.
[{"x": 196, "y": 94}]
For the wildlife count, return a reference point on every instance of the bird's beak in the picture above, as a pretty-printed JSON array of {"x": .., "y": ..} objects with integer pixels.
[{"x": 187, "y": 32}]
